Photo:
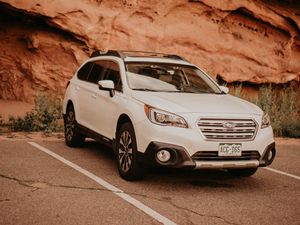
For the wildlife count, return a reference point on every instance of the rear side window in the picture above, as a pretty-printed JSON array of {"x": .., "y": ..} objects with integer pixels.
[
  {"x": 113, "y": 73},
  {"x": 83, "y": 72}
]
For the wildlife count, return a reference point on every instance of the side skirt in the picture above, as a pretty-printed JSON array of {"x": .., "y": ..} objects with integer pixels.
[{"x": 98, "y": 137}]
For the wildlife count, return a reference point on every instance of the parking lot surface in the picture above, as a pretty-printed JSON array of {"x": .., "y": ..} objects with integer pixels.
[{"x": 82, "y": 186}]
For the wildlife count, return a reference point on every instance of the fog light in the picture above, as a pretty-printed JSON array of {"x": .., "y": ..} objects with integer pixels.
[
  {"x": 270, "y": 155},
  {"x": 163, "y": 155}
]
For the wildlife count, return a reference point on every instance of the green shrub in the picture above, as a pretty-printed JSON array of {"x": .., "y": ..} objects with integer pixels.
[
  {"x": 291, "y": 129},
  {"x": 44, "y": 117},
  {"x": 282, "y": 106}
]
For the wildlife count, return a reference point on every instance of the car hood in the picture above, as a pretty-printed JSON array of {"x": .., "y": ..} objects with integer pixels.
[{"x": 197, "y": 103}]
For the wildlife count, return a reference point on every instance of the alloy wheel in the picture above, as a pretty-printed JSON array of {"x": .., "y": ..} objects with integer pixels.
[
  {"x": 70, "y": 125},
  {"x": 125, "y": 151}
]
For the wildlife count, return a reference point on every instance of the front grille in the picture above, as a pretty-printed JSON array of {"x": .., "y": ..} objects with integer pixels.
[
  {"x": 213, "y": 155},
  {"x": 228, "y": 129}
]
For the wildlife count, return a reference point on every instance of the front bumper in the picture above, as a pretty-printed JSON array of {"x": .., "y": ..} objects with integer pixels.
[
  {"x": 181, "y": 159},
  {"x": 185, "y": 143}
]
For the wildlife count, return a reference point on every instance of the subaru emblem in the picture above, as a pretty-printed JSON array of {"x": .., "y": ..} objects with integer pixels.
[{"x": 229, "y": 125}]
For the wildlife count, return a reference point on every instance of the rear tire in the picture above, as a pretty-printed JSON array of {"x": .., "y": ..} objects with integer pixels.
[
  {"x": 242, "y": 172},
  {"x": 126, "y": 154},
  {"x": 73, "y": 137}
]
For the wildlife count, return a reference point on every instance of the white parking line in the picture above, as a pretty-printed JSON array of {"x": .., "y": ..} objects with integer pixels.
[
  {"x": 155, "y": 215},
  {"x": 282, "y": 173}
]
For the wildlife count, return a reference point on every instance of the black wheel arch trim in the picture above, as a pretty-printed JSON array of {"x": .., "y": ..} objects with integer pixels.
[{"x": 263, "y": 161}]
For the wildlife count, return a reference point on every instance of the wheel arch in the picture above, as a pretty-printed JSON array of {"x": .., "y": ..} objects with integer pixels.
[
  {"x": 123, "y": 118},
  {"x": 136, "y": 171},
  {"x": 69, "y": 103},
  {"x": 66, "y": 105}
]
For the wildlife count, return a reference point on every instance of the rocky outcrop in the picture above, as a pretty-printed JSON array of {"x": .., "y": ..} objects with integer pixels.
[
  {"x": 34, "y": 57},
  {"x": 42, "y": 42}
]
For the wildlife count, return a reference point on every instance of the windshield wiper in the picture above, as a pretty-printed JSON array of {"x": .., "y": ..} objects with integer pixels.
[
  {"x": 171, "y": 91},
  {"x": 197, "y": 92},
  {"x": 144, "y": 89}
]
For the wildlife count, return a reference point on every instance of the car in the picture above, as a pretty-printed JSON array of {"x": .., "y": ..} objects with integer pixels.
[{"x": 159, "y": 110}]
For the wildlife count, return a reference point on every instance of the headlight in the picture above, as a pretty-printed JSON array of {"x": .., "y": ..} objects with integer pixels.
[
  {"x": 265, "y": 122},
  {"x": 164, "y": 118}
]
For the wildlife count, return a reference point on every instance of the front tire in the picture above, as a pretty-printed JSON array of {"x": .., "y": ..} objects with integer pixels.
[
  {"x": 126, "y": 153},
  {"x": 242, "y": 172},
  {"x": 73, "y": 137}
]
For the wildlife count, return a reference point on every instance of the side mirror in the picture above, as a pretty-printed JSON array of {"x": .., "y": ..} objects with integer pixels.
[
  {"x": 107, "y": 85},
  {"x": 224, "y": 89}
]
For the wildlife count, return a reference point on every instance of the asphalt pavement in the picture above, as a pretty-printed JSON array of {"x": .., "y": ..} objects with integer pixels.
[{"x": 46, "y": 182}]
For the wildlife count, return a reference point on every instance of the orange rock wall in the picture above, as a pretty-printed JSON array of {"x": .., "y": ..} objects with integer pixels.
[{"x": 255, "y": 41}]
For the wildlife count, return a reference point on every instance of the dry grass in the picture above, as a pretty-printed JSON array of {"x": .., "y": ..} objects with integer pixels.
[{"x": 282, "y": 106}]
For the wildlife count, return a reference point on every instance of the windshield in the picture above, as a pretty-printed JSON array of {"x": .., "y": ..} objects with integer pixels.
[{"x": 162, "y": 77}]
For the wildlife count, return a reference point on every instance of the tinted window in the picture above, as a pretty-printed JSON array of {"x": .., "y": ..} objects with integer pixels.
[
  {"x": 83, "y": 73},
  {"x": 113, "y": 73},
  {"x": 96, "y": 72}
]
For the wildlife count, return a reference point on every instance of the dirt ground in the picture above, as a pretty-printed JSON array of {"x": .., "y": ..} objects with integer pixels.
[
  {"x": 39, "y": 136},
  {"x": 14, "y": 108}
]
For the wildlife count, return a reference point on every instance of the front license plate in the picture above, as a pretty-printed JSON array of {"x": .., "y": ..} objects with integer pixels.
[{"x": 230, "y": 150}]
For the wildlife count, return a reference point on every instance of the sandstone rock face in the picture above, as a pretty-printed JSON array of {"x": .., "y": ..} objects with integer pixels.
[{"x": 42, "y": 42}]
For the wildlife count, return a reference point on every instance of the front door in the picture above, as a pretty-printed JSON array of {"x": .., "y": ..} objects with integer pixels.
[{"x": 104, "y": 107}]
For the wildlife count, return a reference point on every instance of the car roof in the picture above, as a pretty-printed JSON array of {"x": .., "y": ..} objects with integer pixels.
[
  {"x": 140, "y": 56},
  {"x": 156, "y": 60}
]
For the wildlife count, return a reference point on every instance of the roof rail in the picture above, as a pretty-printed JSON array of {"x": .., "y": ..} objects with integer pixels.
[
  {"x": 151, "y": 54},
  {"x": 124, "y": 54},
  {"x": 175, "y": 57},
  {"x": 107, "y": 53}
]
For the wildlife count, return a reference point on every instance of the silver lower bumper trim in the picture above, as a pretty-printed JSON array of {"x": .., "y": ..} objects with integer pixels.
[{"x": 232, "y": 164}]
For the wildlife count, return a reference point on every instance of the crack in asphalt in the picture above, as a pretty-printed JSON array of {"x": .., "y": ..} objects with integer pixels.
[
  {"x": 183, "y": 208},
  {"x": 202, "y": 214},
  {"x": 41, "y": 184},
  {"x": 37, "y": 185}
]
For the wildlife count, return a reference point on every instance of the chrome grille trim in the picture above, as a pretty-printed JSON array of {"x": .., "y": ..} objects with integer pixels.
[
  {"x": 213, "y": 155},
  {"x": 228, "y": 129}
]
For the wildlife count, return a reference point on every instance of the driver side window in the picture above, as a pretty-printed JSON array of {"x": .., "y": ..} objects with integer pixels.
[
  {"x": 101, "y": 70},
  {"x": 112, "y": 72}
]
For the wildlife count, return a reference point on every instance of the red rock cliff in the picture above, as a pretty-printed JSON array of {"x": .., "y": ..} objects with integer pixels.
[{"x": 42, "y": 42}]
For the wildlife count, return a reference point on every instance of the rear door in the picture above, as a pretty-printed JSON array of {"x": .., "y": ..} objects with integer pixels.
[{"x": 81, "y": 93}]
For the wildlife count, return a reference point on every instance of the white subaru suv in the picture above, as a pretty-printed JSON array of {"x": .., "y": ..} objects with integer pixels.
[{"x": 156, "y": 109}]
